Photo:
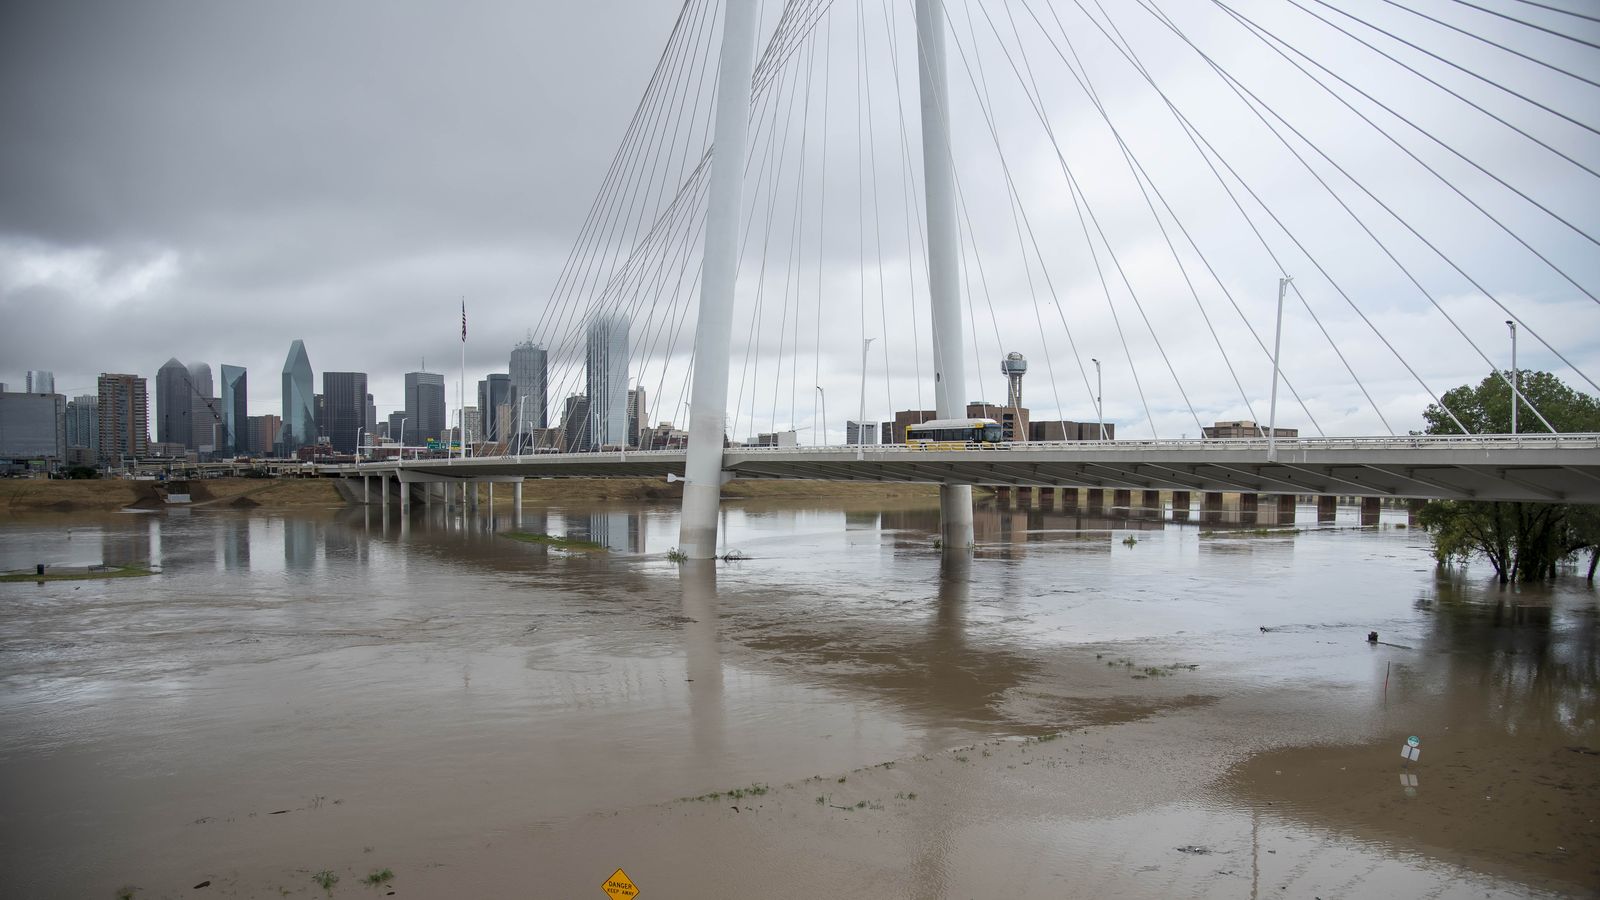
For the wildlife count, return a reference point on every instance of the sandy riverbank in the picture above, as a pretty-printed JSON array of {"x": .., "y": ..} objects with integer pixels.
[{"x": 20, "y": 496}]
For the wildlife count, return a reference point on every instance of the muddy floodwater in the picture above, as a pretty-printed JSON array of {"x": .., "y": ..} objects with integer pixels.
[{"x": 1093, "y": 706}]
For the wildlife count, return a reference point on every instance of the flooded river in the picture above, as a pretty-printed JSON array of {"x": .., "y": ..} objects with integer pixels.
[{"x": 347, "y": 692}]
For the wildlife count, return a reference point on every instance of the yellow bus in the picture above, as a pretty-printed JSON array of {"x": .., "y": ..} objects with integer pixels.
[{"x": 955, "y": 434}]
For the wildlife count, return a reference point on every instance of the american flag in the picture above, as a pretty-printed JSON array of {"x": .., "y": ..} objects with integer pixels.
[{"x": 463, "y": 321}]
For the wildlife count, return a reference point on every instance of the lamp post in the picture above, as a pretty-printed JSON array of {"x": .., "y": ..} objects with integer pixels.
[
  {"x": 1515, "y": 398},
  {"x": 861, "y": 418},
  {"x": 403, "y": 421},
  {"x": 358, "y": 445},
  {"x": 1099, "y": 407},
  {"x": 824, "y": 395}
]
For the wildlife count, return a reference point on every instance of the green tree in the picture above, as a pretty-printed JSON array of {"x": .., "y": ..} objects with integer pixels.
[{"x": 1522, "y": 541}]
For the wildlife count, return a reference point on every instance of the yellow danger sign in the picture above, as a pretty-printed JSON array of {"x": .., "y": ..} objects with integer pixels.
[{"x": 620, "y": 885}]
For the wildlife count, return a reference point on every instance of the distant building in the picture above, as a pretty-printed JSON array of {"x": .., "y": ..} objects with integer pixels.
[
  {"x": 344, "y": 408},
  {"x": 262, "y": 434},
  {"x": 774, "y": 439},
  {"x": 1070, "y": 431},
  {"x": 1244, "y": 428},
  {"x": 607, "y": 371},
  {"x": 529, "y": 384},
  {"x": 494, "y": 397},
  {"x": 124, "y": 417},
  {"x": 575, "y": 424},
  {"x": 665, "y": 437},
  {"x": 83, "y": 425},
  {"x": 205, "y": 414},
  {"x": 424, "y": 406},
  {"x": 32, "y": 427},
  {"x": 299, "y": 401},
  {"x": 172, "y": 403},
  {"x": 40, "y": 382},
  {"x": 860, "y": 432},
  {"x": 372, "y": 415},
  {"x": 638, "y": 409},
  {"x": 235, "y": 412},
  {"x": 397, "y": 422},
  {"x": 472, "y": 425}
]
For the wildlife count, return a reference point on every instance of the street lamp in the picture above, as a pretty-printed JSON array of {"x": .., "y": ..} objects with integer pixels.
[
  {"x": 358, "y": 444},
  {"x": 1515, "y": 398},
  {"x": 403, "y": 421},
  {"x": 861, "y": 419},
  {"x": 824, "y": 395},
  {"x": 1099, "y": 408}
]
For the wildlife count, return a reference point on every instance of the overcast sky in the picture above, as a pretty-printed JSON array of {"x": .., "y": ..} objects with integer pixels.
[{"x": 212, "y": 181}]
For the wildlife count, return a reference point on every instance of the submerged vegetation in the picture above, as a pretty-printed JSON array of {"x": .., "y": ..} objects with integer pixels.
[{"x": 1522, "y": 541}]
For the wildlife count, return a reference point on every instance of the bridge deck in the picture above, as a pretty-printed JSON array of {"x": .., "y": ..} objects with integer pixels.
[{"x": 1563, "y": 468}]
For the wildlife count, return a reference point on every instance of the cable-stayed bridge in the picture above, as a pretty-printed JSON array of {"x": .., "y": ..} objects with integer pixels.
[{"x": 1179, "y": 209}]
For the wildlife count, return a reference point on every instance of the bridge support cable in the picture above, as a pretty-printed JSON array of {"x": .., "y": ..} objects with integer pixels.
[
  {"x": 1080, "y": 74},
  {"x": 1221, "y": 284},
  {"x": 1263, "y": 35},
  {"x": 1020, "y": 222},
  {"x": 1014, "y": 204},
  {"x": 1030, "y": 88},
  {"x": 1094, "y": 255},
  {"x": 913, "y": 212},
  {"x": 1536, "y": 27},
  {"x": 564, "y": 322},
  {"x": 1479, "y": 37},
  {"x": 877, "y": 215},
  {"x": 1208, "y": 153},
  {"x": 702, "y": 491},
  {"x": 1275, "y": 42},
  {"x": 1253, "y": 101}
]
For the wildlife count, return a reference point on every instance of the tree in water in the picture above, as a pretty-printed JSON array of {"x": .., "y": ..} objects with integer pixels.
[{"x": 1523, "y": 541}]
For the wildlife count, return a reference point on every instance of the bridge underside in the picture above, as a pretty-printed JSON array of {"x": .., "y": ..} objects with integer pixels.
[{"x": 1538, "y": 474}]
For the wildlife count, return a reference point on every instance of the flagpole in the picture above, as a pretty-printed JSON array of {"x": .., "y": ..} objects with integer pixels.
[{"x": 461, "y": 386}]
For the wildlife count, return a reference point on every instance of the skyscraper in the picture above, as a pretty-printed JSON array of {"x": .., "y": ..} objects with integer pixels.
[
  {"x": 424, "y": 406},
  {"x": 638, "y": 408},
  {"x": 607, "y": 369},
  {"x": 124, "y": 417},
  {"x": 575, "y": 424},
  {"x": 83, "y": 424},
  {"x": 205, "y": 416},
  {"x": 299, "y": 401},
  {"x": 41, "y": 382},
  {"x": 494, "y": 393},
  {"x": 345, "y": 401},
  {"x": 173, "y": 408},
  {"x": 529, "y": 382},
  {"x": 235, "y": 413}
]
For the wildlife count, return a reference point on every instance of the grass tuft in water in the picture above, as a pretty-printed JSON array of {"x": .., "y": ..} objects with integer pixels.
[{"x": 381, "y": 876}]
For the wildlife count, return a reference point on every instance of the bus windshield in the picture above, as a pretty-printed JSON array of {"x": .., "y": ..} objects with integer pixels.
[{"x": 992, "y": 434}]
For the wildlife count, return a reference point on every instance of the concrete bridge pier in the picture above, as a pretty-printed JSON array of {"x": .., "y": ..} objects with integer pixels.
[
  {"x": 1211, "y": 506},
  {"x": 1047, "y": 497},
  {"x": 1097, "y": 498},
  {"x": 1181, "y": 502},
  {"x": 1002, "y": 495},
  {"x": 1327, "y": 509},
  {"x": 366, "y": 490},
  {"x": 516, "y": 503},
  {"x": 1024, "y": 496},
  {"x": 1122, "y": 499},
  {"x": 1150, "y": 499},
  {"x": 1371, "y": 508},
  {"x": 405, "y": 498},
  {"x": 471, "y": 491},
  {"x": 383, "y": 489}
]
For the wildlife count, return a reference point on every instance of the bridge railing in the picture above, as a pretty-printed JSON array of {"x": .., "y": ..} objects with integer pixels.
[{"x": 1533, "y": 441}]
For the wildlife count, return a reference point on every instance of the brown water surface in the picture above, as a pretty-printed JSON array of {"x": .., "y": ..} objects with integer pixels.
[{"x": 351, "y": 692}]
